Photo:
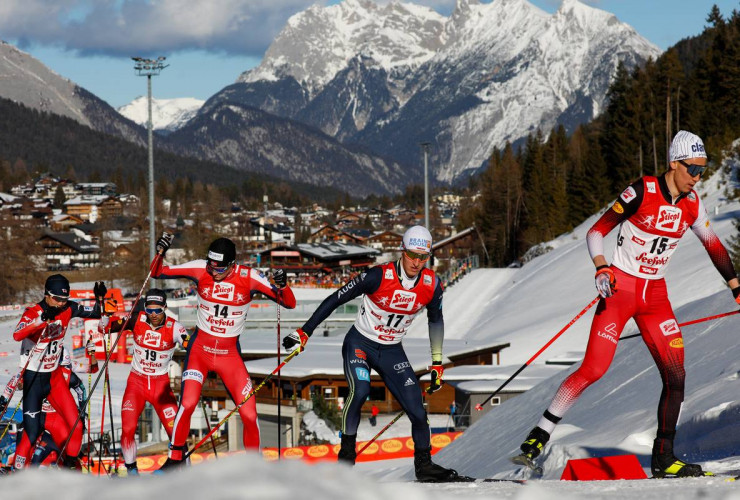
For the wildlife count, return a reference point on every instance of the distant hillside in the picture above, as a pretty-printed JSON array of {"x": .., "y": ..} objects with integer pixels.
[{"x": 54, "y": 143}]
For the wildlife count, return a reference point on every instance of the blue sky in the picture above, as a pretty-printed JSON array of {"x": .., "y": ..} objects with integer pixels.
[{"x": 209, "y": 43}]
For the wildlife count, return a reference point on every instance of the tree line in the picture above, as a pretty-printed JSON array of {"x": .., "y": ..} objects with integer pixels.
[{"x": 552, "y": 183}]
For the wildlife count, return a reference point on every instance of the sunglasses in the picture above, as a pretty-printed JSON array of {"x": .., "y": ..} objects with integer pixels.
[
  {"x": 423, "y": 257},
  {"x": 154, "y": 310},
  {"x": 59, "y": 298},
  {"x": 693, "y": 170},
  {"x": 218, "y": 270}
]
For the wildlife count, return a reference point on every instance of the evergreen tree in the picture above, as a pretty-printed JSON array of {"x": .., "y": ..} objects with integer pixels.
[{"x": 59, "y": 197}]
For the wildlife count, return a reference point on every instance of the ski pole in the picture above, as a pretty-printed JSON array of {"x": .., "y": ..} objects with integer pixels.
[
  {"x": 20, "y": 379},
  {"x": 692, "y": 322},
  {"x": 479, "y": 406},
  {"x": 208, "y": 425},
  {"x": 154, "y": 263},
  {"x": 102, "y": 428},
  {"x": 246, "y": 398},
  {"x": 279, "y": 379},
  {"x": 110, "y": 409},
  {"x": 395, "y": 419}
]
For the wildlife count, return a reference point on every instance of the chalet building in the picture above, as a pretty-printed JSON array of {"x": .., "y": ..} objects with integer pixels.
[
  {"x": 94, "y": 207},
  {"x": 64, "y": 222},
  {"x": 387, "y": 241},
  {"x": 67, "y": 251},
  {"x": 329, "y": 233},
  {"x": 97, "y": 188},
  {"x": 461, "y": 245},
  {"x": 319, "y": 258}
]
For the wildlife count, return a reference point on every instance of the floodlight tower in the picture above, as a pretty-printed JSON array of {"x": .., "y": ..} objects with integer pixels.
[
  {"x": 150, "y": 68},
  {"x": 425, "y": 147}
]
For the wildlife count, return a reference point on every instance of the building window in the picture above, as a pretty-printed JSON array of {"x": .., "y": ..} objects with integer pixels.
[{"x": 495, "y": 401}]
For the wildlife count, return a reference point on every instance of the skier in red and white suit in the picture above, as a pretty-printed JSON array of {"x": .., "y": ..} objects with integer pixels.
[
  {"x": 225, "y": 289},
  {"x": 41, "y": 331},
  {"x": 155, "y": 338},
  {"x": 654, "y": 213}
]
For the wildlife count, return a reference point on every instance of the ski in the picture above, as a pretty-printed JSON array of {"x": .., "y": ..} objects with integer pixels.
[
  {"x": 468, "y": 479},
  {"x": 527, "y": 462}
]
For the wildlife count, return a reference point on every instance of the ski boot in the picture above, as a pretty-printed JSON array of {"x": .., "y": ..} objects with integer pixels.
[
  {"x": 175, "y": 460},
  {"x": 132, "y": 470},
  {"x": 531, "y": 449},
  {"x": 72, "y": 463},
  {"x": 665, "y": 464},
  {"x": 347, "y": 453},
  {"x": 429, "y": 472}
]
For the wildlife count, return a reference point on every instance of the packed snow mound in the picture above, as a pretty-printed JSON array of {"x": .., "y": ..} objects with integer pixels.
[{"x": 236, "y": 476}]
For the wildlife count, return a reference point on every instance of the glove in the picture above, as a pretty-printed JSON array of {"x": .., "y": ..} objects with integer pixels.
[
  {"x": 49, "y": 313},
  {"x": 279, "y": 277},
  {"x": 3, "y": 403},
  {"x": 99, "y": 290},
  {"x": 163, "y": 243},
  {"x": 437, "y": 370},
  {"x": 103, "y": 323},
  {"x": 185, "y": 341},
  {"x": 296, "y": 340},
  {"x": 736, "y": 294},
  {"x": 606, "y": 282},
  {"x": 90, "y": 348}
]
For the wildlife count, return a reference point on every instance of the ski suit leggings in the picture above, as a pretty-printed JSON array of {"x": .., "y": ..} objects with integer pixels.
[
  {"x": 647, "y": 302},
  {"x": 55, "y": 388},
  {"x": 360, "y": 355},
  {"x": 207, "y": 353},
  {"x": 141, "y": 389}
]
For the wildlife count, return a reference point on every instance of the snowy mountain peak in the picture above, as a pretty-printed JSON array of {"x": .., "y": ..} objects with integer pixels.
[
  {"x": 319, "y": 42},
  {"x": 167, "y": 114}
]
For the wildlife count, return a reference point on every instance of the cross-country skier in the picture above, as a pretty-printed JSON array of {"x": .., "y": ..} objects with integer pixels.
[
  {"x": 155, "y": 338},
  {"x": 41, "y": 331},
  {"x": 394, "y": 294},
  {"x": 654, "y": 213},
  {"x": 225, "y": 289},
  {"x": 55, "y": 425}
]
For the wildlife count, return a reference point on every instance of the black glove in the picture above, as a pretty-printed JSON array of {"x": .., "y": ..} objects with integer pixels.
[
  {"x": 163, "y": 243},
  {"x": 296, "y": 340},
  {"x": 99, "y": 290},
  {"x": 437, "y": 370},
  {"x": 50, "y": 313},
  {"x": 281, "y": 280}
]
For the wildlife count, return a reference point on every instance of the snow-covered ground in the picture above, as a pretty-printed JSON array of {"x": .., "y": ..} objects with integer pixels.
[{"x": 526, "y": 307}]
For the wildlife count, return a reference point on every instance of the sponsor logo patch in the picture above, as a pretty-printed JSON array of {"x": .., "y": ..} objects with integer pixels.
[
  {"x": 669, "y": 327},
  {"x": 609, "y": 333},
  {"x": 638, "y": 241},
  {"x": 409, "y": 381},
  {"x": 669, "y": 218},
  {"x": 223, "y": 291},
  {"x": 427, "y": 279},
  {"x": 628, "y": 194},
  {"x": 650, "y": 187},
  {"x": 362, "y": 374},
  {"x": 360, "y": 354},
  {"x": 676, "y": 343},
  {"x": 617, "y": 207},
  {"x": 401, "y": 366},
  {"x": 247, "y": 388},
  {"x": 152, "y": 338},
  {"x": 192, "y": 375},
  {"x": 388, "y": 274},
  {"x": 127, "y": 406},
  {"x": 403, "y": 300}
]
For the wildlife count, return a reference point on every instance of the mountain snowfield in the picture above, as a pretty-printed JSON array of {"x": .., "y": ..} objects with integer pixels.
[
  {"x": 392, "y": 76},
  {"x": 167, "y": 114},
  {"x": 526, "y": 307}
]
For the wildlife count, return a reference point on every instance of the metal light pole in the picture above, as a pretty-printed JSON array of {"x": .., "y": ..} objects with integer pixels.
[
  {"x": 425, "y": 146},
  {"x": 149, "y": 68}
]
